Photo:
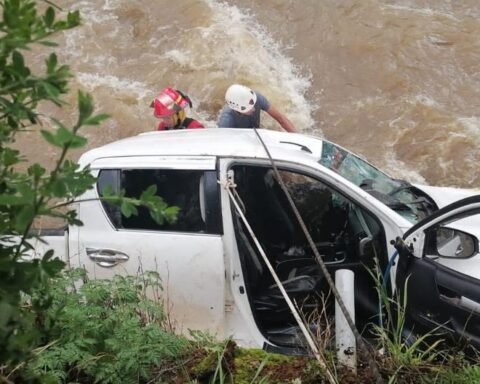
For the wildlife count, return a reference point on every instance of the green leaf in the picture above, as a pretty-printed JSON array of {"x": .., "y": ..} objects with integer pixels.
[
  {"x": 85, "y": 107},
  {"x": 172, "y": 211},
  {"x": 14, "y": 200},
  {"x": 47, "y": 256},
  {"x": 128, "y": 209},
  {"x": 51, "y": 90},
  {"x": 64, "y": 138},
  {"x": 75, "y": 222},
  {"x": 51, "y": 138},
  {"x": 18, "y": 61},
  {"x": 95, "y": 120},
  {"x": 19, "y": 64},
  {"x": 51, "y": 63},
  {"x": 10, "y": 157},
  {"x": 52, "y": 267},
  {"x": 64, "y": 135},
  {"x": 24, "y": 218},
  {"x": 58, "y": 188},
  {"x": 149, "y": 192},
  {"x": 78, "y": 141},
  {"x": 171, "y": 214},
  {"x": 48, "y": 43},
  {"x": 73, "y": 19},
  {"x": 49, "y": 17},
  {"x": 36, "y": 170},
  {"x": 157, "y": 216},
  {"x": 107, "y": 191}
]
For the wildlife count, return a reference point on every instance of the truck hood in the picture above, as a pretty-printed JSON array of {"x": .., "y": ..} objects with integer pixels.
[{"x": 446, "y": 195}]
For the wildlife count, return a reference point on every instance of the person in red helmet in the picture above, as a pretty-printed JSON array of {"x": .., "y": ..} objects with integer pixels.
[{"x": 169, "y": 106}]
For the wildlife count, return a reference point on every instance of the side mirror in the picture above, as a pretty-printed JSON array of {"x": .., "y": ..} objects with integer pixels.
[{"x": 453, "y": 243}]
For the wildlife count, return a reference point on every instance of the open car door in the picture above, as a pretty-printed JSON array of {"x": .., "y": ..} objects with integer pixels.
[{"x": 439, "y": 272}]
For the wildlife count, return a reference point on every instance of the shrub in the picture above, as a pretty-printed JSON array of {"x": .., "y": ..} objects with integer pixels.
[{"x": 106, "y": 331}]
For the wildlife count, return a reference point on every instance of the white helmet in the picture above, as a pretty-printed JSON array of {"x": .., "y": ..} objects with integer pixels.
[{"x": 240, "y": 98}]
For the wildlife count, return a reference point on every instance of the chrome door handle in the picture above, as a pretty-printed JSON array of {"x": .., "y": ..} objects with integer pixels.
[
  {"x": 106, "y": 257},
  {"x": 470, "y": 305}
]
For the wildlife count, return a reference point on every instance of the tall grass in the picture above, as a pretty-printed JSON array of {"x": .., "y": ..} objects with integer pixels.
[{"x": 401, "y": 349}]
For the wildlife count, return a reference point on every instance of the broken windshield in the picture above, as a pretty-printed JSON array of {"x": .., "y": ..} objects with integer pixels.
[{"x": 399, "y": 195}]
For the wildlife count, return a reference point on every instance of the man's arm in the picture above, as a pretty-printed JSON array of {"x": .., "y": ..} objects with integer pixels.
[{"x": 282, "y": 119}]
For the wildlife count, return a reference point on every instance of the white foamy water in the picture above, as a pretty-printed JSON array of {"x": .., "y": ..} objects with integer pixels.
[
  {"x": 261, "y": 62},
  {"x": 472, "y": 127},
  {"x": 424, "y": 100},
  {"x": 92, "y": 81},
  {"x": 398, "y": 169},
  {"x": 124, "y": 46},
  {"x": 418, "y": 10}
]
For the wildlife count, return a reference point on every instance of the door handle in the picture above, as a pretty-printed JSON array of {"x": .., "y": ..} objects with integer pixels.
[
  {"x": 106, "y": 257},
  {"x": 454, "y": 298},
  {"x": 470, "y": 305}
]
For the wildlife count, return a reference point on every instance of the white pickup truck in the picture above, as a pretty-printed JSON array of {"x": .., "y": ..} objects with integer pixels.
[{"x": 214, "y": 278}]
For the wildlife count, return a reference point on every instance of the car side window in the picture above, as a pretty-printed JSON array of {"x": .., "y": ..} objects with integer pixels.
[{"x": 181, "y": 188}]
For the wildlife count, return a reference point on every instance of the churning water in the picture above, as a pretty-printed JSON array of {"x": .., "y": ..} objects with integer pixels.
[{"x": 397, "y": 81}]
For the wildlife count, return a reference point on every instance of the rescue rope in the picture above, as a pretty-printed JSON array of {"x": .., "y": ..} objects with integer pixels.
[
  {"x": 360, "y": 342},
  {"x": 229, "y": 186}
]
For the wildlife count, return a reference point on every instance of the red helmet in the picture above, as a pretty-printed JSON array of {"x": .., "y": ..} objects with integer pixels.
[{"x": 169, "y": 101}]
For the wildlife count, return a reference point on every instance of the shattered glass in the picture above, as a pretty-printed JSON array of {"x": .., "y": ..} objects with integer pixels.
[{"x": 397, "y": 194}]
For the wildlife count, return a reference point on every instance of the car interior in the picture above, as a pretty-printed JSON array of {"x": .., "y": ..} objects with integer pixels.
[{"x": 345, "y": 234}]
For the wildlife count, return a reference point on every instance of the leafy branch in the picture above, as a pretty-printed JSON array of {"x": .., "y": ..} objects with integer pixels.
[
  {"x": 158, "y": 208},
  {"x": 36, "y": 192}
]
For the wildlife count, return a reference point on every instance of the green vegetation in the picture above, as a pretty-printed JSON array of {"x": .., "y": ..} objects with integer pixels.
[
  {"x": 424, "y": 358},
  {"x": 109, "y": 331},
  {"x": 398, "y": 352},
  {"x": 106, "y": 331},
  {"x": 29, "y": 191}
]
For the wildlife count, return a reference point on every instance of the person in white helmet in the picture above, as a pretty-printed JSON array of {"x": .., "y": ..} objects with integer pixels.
[{"x": 243, "y": 110}]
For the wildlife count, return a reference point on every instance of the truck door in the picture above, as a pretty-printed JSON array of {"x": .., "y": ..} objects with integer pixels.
[
  {"x": 188, "y": 254},
  {"x": 439, "y": 271},
  {"x": 347, "y": 235}
]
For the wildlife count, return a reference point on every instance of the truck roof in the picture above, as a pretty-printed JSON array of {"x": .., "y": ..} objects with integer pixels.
[{"x": 231, "y": 142}]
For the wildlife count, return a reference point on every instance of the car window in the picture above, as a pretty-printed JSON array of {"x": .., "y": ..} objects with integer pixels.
[
  {"x": 180, "y": 188},
  {"x": 397, "y": 194}
]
